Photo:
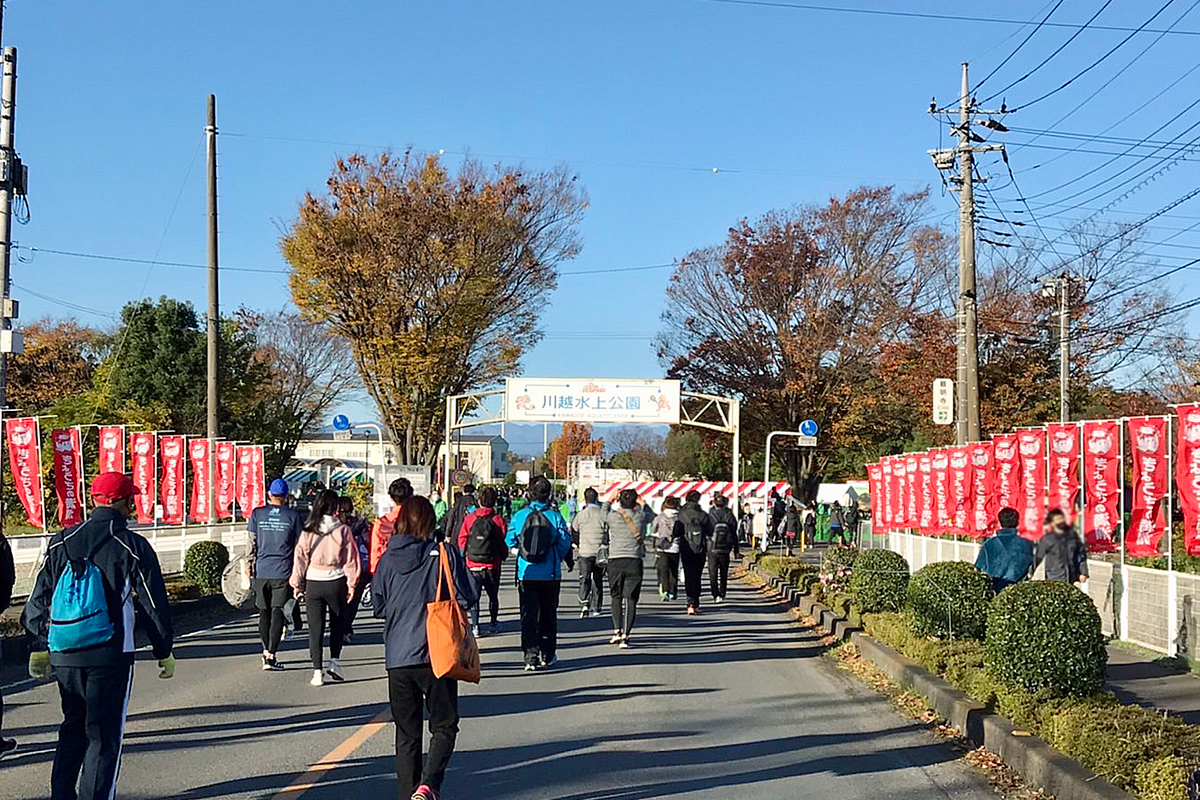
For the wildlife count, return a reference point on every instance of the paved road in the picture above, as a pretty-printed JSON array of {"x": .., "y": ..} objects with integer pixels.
[{"x": 730, "y": 703}]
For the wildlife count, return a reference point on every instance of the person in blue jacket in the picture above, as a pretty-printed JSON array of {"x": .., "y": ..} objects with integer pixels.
[{"x": 539, "y": 574}]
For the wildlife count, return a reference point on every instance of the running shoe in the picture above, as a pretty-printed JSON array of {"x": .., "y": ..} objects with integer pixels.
[
  {"x": 616, "y": 638},
  {"x": 597, "y": 613},
  {"x": 718, "y": 600},
  {"x": 691, "y": 611},
  {"x": 423, "y": 792},
  {"x": 334, "y": 671},
  {"x": 583, "y": 613},
  {"x": 7, "y": 747},
  {"x": 624, "y": 645},
  {"x": 271, "y": 665},
  {"x": 318, "y": 678},
  {"x": 475, "y": 631},
  {"x": 553, "y": 660}
]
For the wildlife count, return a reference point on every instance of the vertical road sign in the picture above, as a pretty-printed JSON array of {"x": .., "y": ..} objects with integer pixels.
[{"x": 943, "y": 401}]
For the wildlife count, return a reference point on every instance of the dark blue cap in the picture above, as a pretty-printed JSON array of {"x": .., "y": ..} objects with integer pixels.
[{"x": 278, "y": 488}]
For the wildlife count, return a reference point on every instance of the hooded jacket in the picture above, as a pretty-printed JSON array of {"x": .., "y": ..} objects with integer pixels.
[
  {"x": 464, "y": 534},
  {"x": 591, "y": 528},
  {"x": 132, "y": 580},
  {"x": 731, "y": 545},
  {"x": 452, "y": 522},
  {"x": 549, "y": 568},
  {"x": 405, "y": 581},
  {"x": 1065, "y": 555},
  {"x": 625, "y": 538},
  {"x": 326, "y": 554},
  {"x": 664, "y": 531},
  {"x": 692, "y": 515}
]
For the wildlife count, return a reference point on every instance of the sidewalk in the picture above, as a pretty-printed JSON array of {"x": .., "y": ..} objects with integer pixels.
[{"x": 1136, "y": 678}]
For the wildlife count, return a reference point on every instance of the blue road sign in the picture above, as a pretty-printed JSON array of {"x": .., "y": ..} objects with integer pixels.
[
  {"x": 808, "y": 427},
  {"x": 341, "y": 422}
]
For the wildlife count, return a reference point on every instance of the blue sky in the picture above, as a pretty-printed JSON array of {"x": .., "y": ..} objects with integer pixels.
[{"x": 642, "y": 99}]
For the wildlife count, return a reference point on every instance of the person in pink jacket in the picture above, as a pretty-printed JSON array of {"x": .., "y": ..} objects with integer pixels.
[
  {"x": 481, "y": 540},
  {"x": 324, "y": 573}
]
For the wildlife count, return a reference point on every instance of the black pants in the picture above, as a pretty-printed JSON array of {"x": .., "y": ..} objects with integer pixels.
[
  {"x": 718, "y": 574},
  {"x": 487, "y": 580},
  {"x": 325, "y": 598},
  {"x": 625, "y": 579},
  {"x": 408, "y": 689},
  {"x": 591, "y": 584},
  {"x": 539, "y": 618},
  {"x": 351, "y": 610},
  {"x": 94, "y": 703},
  {"x": 667, "y": 565},
  {"x": 693, "y": 577},
  {"x": 270, "y": 596}
]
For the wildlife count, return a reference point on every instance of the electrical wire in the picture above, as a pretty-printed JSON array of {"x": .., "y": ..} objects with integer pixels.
[{"x": 1024, "y": 41}]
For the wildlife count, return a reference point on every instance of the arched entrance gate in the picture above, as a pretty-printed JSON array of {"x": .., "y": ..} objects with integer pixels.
[{"x": 594, "y": 401}]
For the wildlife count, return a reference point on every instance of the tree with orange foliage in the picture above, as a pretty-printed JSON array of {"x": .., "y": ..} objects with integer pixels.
[{"x": 574, "y": 440}]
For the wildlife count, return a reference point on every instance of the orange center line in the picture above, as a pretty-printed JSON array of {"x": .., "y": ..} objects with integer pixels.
[{"x": 312, "y": 776}]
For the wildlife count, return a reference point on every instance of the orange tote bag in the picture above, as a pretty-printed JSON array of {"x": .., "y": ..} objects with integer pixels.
[{"x": 453, "y": 651}]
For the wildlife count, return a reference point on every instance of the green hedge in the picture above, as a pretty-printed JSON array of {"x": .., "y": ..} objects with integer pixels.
[
  {"x": 836, "y": 567},
  {"x": 1046, "y": 635},
  {"x": 204, "y": 563},
  {"x": 949, "y": 600},
  {"x": 879, "y": 581}
]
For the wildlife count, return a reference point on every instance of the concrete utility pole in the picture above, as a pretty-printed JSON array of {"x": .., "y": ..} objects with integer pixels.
[
  {"x": 1061, "y": 286},
  {"x": 214, "y": 316},
  {"x": 11, "y": 184},
  {"x": 967, "y": 372}
]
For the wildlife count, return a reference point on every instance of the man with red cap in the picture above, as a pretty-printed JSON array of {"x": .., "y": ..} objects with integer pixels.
[{"x": 81, "y": 615}]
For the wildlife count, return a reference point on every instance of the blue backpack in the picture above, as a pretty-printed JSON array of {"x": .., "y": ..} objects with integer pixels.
[{"x": 79, "y": 618}]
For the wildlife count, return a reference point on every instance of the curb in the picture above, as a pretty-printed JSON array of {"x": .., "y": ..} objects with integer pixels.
[{"x": 1037, "y": 762}]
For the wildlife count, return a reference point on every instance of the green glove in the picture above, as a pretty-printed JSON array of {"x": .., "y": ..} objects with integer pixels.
[
  {"x": 166, "y": 667},
  {"x": 39, "y": 665}
]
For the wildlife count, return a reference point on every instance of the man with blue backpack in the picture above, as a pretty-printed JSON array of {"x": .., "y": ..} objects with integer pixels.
[
  {"x": 95, "y": 578},
  {"x": 539, "y": 535}
]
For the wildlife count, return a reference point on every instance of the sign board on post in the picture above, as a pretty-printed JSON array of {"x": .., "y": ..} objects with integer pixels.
[
  {"x": 806, "y": 441},
  {"x": 943, "y": 401},
  {"x": 523, "y": 477},
  {"x": 418, "y": 475},
  {"x": 588, "y": 473},
  {"x": 587, "y": 400},
  {"x": 808, "y": 427}
]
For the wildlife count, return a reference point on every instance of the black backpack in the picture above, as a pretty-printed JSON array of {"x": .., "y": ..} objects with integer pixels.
[
  {"x": 693, "y": 532},
  {"x": 484, "y": 543},
  {"x": 723, "y": 536},
  {"x": 537, "y": 537}
]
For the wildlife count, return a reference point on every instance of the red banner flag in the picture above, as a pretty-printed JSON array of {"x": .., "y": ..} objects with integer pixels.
[
  {"x": 68, "y": 487},
  {"x": 1148, "y": 444},
  {"x": 1007, "y": 471},
  {"x": 959, "y": 487},
  {"x": 900, "y": 470},
  {"x": 873, "y": 475},
  {"x": 225, "y": 479},
  {"x": 1063, "y": 442},
  {"x": 112, "y": 448},
  {"x": 1031, "y": 443},
  {"x": 1187, "y": 473},
  {"x": 912, "y": 472},
  {"x": 982, "y": 519},
  {"x": 925, "y": 493},
  {"x": 258, "y": 493},
  {"x": 25, "y": 460},
  {"x": 198, "y": 457},
  {"x": 145, "y": 474},
  {"x": 244, "y": 480},
  {"x": 1101, "y": 476},
  {"x": 941, "y": 492},
  {"x": 173, "y": 490}
]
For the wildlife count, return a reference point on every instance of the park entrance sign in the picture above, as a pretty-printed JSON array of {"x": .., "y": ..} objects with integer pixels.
[{"x": 592, "y": 400}]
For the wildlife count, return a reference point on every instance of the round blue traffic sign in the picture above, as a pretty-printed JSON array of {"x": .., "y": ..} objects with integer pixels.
[
  {"x": 341, "y": 422},
  {"x": 808, "y": 427}
]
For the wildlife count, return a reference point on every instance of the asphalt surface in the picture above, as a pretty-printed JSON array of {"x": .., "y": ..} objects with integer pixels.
[{"x": 736, "y": 702}]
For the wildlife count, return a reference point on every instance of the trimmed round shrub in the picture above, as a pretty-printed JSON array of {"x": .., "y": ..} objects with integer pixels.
[
  {"x": 1046, "y": 635},
  {"x": 204, "y": 563},
  {"x": 879, "y": 581},
  {"x": 949, "y": 600}
]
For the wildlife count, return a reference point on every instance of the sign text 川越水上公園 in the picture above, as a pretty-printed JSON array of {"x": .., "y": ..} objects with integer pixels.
[{"x": 592, "y": 400}]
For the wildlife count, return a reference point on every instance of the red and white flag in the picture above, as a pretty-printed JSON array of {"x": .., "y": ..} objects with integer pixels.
[
  {"x": 982, "y": 521},
  {"x": 226, "y": 469},
  {"x": 1187, "y": 473},
  {"x": 25, "y": 460},
  {"x": 1101, "y": 479},
  {"x": 942, "y": 516},
  {"x": 912, "y": 489},
  {"x": 173, "y": 489},
  {"x": 1148, "y": 444},
  {"x": 144, "y": 446},
  {"x": 1063, "y": 439},
  {"x": 1031, "y": 443},
  {"x": 886, "y": 483},
  {"x": 198, "y": 456},
  {"x": 900, "y": 470},
  {"x": 258, "y": 493},
  {"x": 925, "y": 511},
  {"x": 1007, "y": 471},
  {"x": 68, "y": 475},
  {"x": 873, "y": 475},
  {"x": 959, "y": 488},
  {"x": 112, "y": 448},
  {"x": 244, "y": 480}
]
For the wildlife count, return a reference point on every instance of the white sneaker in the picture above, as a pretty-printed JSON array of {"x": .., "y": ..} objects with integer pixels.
[
  {"x": 334, "y": 670},
  {"x": 318, "y": 678},
  {"x": 624, "y": 645},
  {"x": 616, "y": 638},
  {"x": 475, "y": 631},
  {"x": 719, "y": 600}
]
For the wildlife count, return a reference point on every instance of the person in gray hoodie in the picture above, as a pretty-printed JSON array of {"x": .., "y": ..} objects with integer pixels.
[
  {"x": 667, "y": 548},
  {"x": 626, "y": 550},
  {"x": 590, "y": 532}
]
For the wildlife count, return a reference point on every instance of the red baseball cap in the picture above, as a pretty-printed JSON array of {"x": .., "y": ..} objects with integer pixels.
[{"x": 113, "y": 486}]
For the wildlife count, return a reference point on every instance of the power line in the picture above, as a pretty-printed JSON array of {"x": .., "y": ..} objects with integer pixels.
[
  {"x": 1024, "y": 41},
  {"x": 880, "y": 12}
]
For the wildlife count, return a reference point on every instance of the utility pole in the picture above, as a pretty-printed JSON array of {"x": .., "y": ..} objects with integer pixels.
[
  {"x": 967, "y": 333},
  {"x": 214, "y": 312},
  {"x": 1061, "y": 286},
  {"x": 11, "y": 184}
]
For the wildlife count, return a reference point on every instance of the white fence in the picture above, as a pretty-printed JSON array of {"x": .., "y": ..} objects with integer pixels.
[
  {"x": 169, "y": 542},
  {"x": 1153, "y": 608}
]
